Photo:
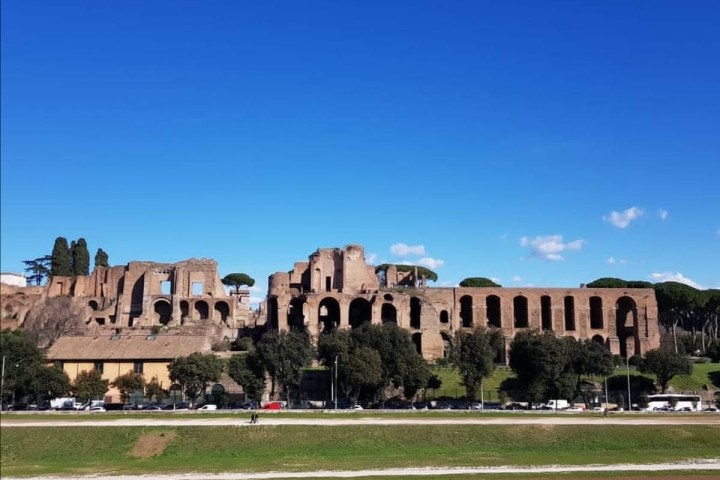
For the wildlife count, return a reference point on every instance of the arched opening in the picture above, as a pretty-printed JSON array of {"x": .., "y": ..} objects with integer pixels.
[
  {"x": 599, "y": 340},
  {"x": 492, "y": 305},
  {"x": 596, "y": 313},
  {"x": 93, "y": 305},
  {"x": 387, "y": 297},
  {"x": 202, "y": 311},
  {"x": 163, "y": 312},
  {"x": 569, "y": 304},
  {"x": 466, "y": 311},
  {"x": 184, "y": 311},
  {"x": 296, "y": 315},
  {"x": 415, "y": 311},
  {"x": 417, "y": 340},
  {"x": 360, "y": 312},
  {"x": 444, "y": 316},
  {"x": 546, "y": 312},
  {"x": 520, "y": 311},
  {"x": 626, "y": 319},
  {"x": 272, "y": 314},
  {"x": 388, "y": 313},
  {"x": 329, "y": 314},
  {"x": 447, "y": 344},
  {"x": 222, "y": 311},
  {"x": 136, "y": 297},
  {"x": 217, "y": 392}
]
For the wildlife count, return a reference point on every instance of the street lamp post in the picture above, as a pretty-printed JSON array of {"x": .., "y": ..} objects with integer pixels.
[
  {"x": 336, "y": 369},
  {"x": 606, "y": 394},
  {"x": 2, "y": 384},
  {"x": 627, "y": 366}
]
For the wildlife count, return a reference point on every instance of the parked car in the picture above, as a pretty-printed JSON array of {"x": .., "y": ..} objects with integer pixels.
[{"x": 208, "y": 406}]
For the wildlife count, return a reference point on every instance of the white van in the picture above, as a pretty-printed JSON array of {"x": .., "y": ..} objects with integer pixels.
[
  {"x": 558, "y": 404},
  {"x": 208, "y": 406}
]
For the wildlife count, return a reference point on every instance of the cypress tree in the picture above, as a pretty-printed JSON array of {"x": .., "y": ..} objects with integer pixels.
[
  {"x": 60, "y": 259},
  {"x": 81, "y": 258},
  {"x": 101, "y": 258}
]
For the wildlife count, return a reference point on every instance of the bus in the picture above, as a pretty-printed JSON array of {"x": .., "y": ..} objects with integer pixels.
[{"x": 672, "y": 402}]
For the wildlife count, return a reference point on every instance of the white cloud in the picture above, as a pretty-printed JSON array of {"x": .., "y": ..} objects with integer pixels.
[
  {"x": 403, "y": 249},
  {"x": 431, "y": 262},
  {"x": 370, "y": 258},
  {"x": 623, "y": 219},
  {"x": 611, "y": 260},
  {"x": 718, "y": 232},
  {"x": 255, "y": 301},
  {"x": 674, "y": 277},
  {"x": 496, "y": 280},
  {"x": 257, "y": 289},
  {"x": 663, "y": 214},
  {"x": 516, "y": 279},
  {"x": 549, "y": 247}
]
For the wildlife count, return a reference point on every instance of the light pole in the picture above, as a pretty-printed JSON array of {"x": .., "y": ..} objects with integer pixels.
[
  {"x": 335, "y": 379},
  {"x": 2, "y": 384},
  {"x": 627, "y": 366},
  {"x": 606, "y": 394}
]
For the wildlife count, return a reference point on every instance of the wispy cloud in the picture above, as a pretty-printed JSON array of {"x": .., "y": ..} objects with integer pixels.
[
  {"x": 550, "y": 247},
  {"x": 674, "y": 277},
  {"x": 403, "y": 249},
  {"x": 431, "y": 262},
  {"x": 624, "y": 218},
  {"x": 614, "y": 261},
  {"x": 496, "y": 280},
  {"x": 370, "y": 258},
  {"x": 662, "y": 213},
  {"x": 516, "y": 278}
]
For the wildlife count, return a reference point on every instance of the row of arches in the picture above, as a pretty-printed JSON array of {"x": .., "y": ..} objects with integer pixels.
[{"x": 162, "y": 311}]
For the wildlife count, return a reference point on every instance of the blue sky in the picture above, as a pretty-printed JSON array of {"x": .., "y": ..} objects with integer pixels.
[{"x": 536, "y": 143}]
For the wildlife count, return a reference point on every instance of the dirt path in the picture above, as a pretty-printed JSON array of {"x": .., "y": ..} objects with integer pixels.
[{"x": 407, "y": 472}]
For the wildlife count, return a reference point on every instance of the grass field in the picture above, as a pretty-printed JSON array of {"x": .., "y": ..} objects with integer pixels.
[
  {"x": 77, "y": 450},
  {"x": 704, "y": 375}
]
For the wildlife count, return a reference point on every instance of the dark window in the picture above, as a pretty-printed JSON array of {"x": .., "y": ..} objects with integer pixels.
[
  {"x": 99, "y": 367},
  {"x": 138, "y": 367}
]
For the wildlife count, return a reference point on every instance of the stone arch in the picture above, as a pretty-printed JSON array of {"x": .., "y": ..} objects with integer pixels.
[
  {"x": 596, "y": 313},
  {"x": 447, "y": 344},
  {"x": 520, "y": 311},
  {"x": 494, "y": 313},
  {"x": 359, "y": 312},
  {"x": 184, "y": 311},
  {"x": 387, "y": 297},
  {"x": 415, "y": 312},
  {"x": 162, "y": 311},
  {"x": 93, "y": 305},
  {"x": 388, "y": 313},
  {"x": 222, "y": 310},
  {"x": 569, "y": 304},
  {"x": 466, "y": 311},
  {"x": 272, "y": 314},
  {"x": 444, "y": 316},
  {"x": 626, "y": 321},
  {"x": 202, "y": 310},
  {"x": 546, "y": 312},
  {"x": 329, "y": 314},
  {"x": 598, "y": 339},
  {"x": 296, "y": 315},
  {"x": 417, "y": 341}
]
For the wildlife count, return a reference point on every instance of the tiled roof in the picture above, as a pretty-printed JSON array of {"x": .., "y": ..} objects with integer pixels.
[{"x": 127, "y": 347}]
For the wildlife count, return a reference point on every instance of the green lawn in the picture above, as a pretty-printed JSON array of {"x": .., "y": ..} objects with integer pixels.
[
  {"x": 78, "y": 450},
  {"x": 705, "y": 375}
]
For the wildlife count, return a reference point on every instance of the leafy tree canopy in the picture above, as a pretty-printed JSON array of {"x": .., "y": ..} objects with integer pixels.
[
  {"x": 422, "y": 271},
  {"x": 60, "y": 259},
  {"x": 284, "y": 354},
  {"x": 478, "y": 282},
  {"x": 80, "y": 258},
  {"x": 128, "y": 383},
  {"x": 475, "y": 356},
  {"x": 248, "y": 371},
  {"x": 38, "y": 268},
  {"x": 89, "y": 385},
  {"x": 101, "y": 258},
  {"x": 237, "y": 280},
  {"x": 194, "y": 372},
  {"x": 665, "y": 365}
]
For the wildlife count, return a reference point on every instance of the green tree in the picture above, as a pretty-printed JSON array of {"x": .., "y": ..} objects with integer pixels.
[
  {"x": 421, "y": 271},
  {"x": 101, "y": 258},
  {"x": 590, "y": 359},
  {"x": 248, "y": 371},
  {"x": 237, "y": 280},
  {"x": 89, "y": 385},
  {"x": 60, "y": 259},
  {"x": 38, "y": 268},
  {"x": 284, "y": 354},
  {"x": 128, "y": 383},
  {"x": 154, "y": 390},
  {"x": 678, "y": 304},
  {"x": 475, "y": 357},
  {"x": 542, "y": 363},
  {"x": 195, "y": 372},
  {"x": 80, "y": 258},
  {"x": 22, "y": 358},
  {"x": 361, "y": 371},
  {"x": 665, "y": 365},
  {"x": 478, "y": 282},
  {"x": 607, "y": 282}
]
